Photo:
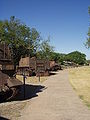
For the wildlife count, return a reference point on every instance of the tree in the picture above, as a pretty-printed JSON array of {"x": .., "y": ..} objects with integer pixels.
[
  {"x": 14, "y": 33},
  {"x": 45, "y": 50},
  {"x": 33, "y": 42},
  {"x": 76, "y": 57},
  {"x": 88, "y": 39},
  {"x": 20, "y": 38},
  {"x": 57, "y": 57}
]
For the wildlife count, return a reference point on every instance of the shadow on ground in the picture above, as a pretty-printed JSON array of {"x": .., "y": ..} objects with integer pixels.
[
  {"x": 2, "y": 118},
  {"x": 30, "y": 92}
]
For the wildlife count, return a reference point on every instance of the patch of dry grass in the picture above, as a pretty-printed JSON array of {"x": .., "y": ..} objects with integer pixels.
[
  {"x": 32, "y": 79},
  {"x": 80, "y": 80}
]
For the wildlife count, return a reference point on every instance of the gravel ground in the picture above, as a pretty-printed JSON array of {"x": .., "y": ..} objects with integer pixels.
[
  {"x": 53, "y": 100},
  {"x": 11, "y": 110},
  {"x": 57, "y": 102}
]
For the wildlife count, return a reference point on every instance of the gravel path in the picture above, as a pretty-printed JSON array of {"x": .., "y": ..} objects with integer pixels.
[{"x": 57, "y": 102}]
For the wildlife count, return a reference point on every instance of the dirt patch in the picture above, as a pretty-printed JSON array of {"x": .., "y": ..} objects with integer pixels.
[{"x": 11, "y": 110}]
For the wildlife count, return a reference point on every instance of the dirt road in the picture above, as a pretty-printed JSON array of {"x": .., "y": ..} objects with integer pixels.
[{"x": 57, "y": 102}]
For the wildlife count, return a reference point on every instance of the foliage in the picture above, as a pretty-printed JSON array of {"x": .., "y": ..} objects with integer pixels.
[
  {"x": 76, "y": 57},
  {"x": 25, "y": 41},
  {"x": 45, "y": 50},
  {"x": 57, "y": 57},
  {"x": 20, "y": 38},
  {"x": 33, "y": 42},
  {"x": 88, "y": 39},
  {"x": 88, "y": 61}
]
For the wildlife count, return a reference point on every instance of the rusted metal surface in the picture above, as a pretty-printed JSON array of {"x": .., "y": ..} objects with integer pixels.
[
  {"x": 6, "y": 64},
  {"x": 54, "y": 66},
  {"x": 42, "y": 68},
  {"x": 27, "y": 62},
  {"x": 4, "y": 51},
  {"x": 5, "y": 58},
  {"x": 33, "y": 65},
  {"x": 8, "y": 87},
  {"x": 24, "y": 62},
  {"x": 3, "y": 80},
  {"x": 52, "y": 63},
  {"x": 12, "y": 82},
  {"x": 8, "y": 84}
]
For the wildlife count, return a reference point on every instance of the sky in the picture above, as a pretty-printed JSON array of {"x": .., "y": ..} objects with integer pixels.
[{"x": 65, "y": 21}]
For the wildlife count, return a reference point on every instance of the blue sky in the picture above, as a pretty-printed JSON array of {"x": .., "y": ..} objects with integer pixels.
[{"x": 65, "y": 21}]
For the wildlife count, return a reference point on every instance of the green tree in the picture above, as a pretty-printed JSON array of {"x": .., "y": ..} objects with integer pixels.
[
  {"x": 88, "y": 39},
  {"x": 45, "y": 50},
  {"x": 14, "y": 33},
  {"x": 20, "y": 38},
  {"x": 33, "y": 42},
  {"x": 76, "y": 57},
  {"x": 57, "y": 57}
]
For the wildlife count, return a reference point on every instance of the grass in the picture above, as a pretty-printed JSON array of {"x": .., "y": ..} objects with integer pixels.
[
  {"x": 80, "y": 80},
  {"x": 33, "y": 79}
]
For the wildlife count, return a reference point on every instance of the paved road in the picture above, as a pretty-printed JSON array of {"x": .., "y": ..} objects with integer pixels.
[{"x": 58, "y": 102}]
